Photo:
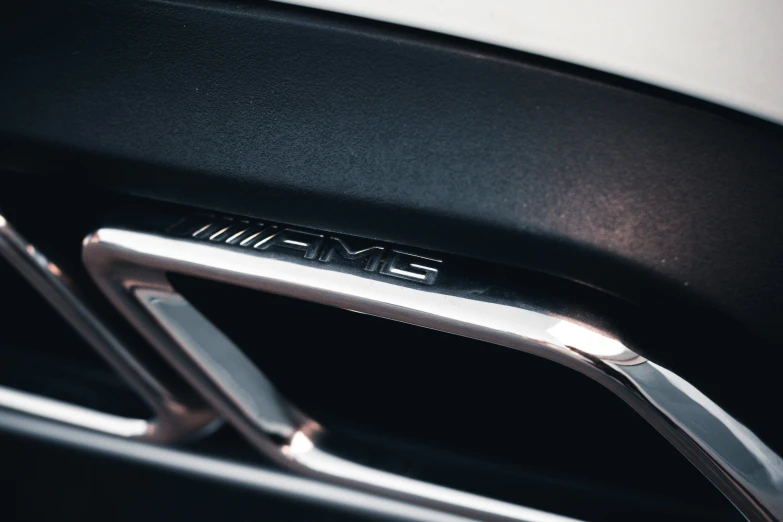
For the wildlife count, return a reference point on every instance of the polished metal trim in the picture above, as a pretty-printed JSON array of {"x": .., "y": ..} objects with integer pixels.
[
  {"x": 130, "y": 267},
  {"x": 71, "y": 414},
  {"x": 257, "y": 479},
  {"x": 174, "y": 418}
]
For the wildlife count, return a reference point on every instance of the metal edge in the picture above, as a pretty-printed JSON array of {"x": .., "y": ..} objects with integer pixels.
[
  {"x": 130, "y": 268},
  {"x": 174, "y": 419},
  {"x": 257, "y": 479}
]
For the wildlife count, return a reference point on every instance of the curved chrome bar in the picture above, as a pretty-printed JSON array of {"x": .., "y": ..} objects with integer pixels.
[
  {"x": 174, "y": 418},
  {"x": 130, "y": 268}
]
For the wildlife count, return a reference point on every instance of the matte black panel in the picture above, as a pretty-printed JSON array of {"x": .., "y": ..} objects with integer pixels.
[{"x": 342, "y": 124}]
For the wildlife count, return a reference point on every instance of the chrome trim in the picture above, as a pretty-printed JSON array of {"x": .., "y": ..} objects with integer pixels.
[
  {"x": 71, "y": 414},
  {"x": 260, "y": 480},
  {"x": 174, "y": 418},
  {"x": 130, "y": 267}
]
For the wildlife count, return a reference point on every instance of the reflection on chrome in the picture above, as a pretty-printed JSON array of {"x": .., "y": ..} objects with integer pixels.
[
  {"x": 130, "y": 268},
  {"x": 75, "y": 415},
  {"x": 589, "y": 342},
  {"x": 254, "y": 478},
  {"x": 300, "y": 444},
  {"x": 746, "y": 440},
  {"x": 174, "y": 419}
]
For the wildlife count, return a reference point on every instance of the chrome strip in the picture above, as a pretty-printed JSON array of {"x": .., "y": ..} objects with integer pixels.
[
  {"x": 75, "y": 415},
  {"x": 175, "y": 419},
  {"x": 260, "y": 480},
  {"x": 130, "y": 267}
]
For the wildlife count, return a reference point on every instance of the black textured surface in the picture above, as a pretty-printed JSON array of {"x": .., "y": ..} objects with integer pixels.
[{"x": 344, "y": 125}]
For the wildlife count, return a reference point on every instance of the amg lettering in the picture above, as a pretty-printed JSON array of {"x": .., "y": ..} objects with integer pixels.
[
  {"x": 335, "y": 246},
  {"x": 243, "y": 233}
]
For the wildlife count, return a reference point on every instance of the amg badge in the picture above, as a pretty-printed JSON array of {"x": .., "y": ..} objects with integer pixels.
[{"x": 310, "y": 245}]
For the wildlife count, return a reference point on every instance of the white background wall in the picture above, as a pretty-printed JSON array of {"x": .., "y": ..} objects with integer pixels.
[{"x": 726, "y": 51}]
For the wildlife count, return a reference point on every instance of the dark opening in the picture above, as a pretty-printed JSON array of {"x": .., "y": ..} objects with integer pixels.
[{"x": 460, "y": 412}]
